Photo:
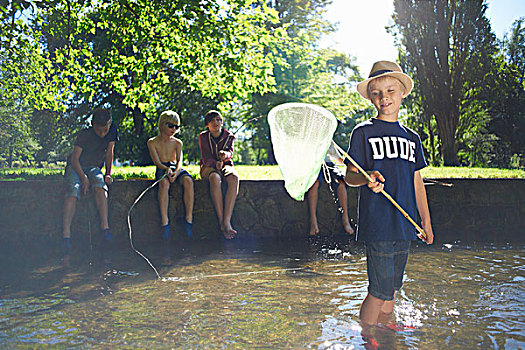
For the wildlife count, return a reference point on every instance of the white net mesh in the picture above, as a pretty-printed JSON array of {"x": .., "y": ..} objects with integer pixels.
[{"x": 301, "y": 134}]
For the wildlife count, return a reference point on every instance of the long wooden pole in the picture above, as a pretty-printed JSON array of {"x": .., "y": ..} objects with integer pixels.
[{"x": 389, "y": 197}]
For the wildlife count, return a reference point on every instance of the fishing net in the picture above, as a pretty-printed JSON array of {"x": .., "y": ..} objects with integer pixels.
[{"x": 301, "y": 135}]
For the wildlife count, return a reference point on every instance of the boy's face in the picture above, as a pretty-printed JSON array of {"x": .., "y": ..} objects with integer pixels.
[
  {"x": 102, "y": 130},
  {"x": 215, "y": 125},
  {"x": 170, "y": 127},
  {"x": 386, "y": 93}
]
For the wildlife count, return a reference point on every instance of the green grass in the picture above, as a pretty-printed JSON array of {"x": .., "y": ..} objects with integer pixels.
[
  {"x": 471, "y": 173},
  {"x": 30, "y": 174},
  {"x": 254, "y": 172}
]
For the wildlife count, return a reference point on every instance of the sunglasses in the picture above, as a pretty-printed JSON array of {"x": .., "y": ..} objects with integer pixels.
[{"x": 171, "y": 126}]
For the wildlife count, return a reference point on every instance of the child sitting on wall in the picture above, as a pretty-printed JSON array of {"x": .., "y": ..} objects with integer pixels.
[
  {"x": 166, "y": 152},
  {"x": 216, "y": 145}
]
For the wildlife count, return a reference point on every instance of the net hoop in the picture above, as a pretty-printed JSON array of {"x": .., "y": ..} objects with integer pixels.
[{"x": 301, "y": 134}]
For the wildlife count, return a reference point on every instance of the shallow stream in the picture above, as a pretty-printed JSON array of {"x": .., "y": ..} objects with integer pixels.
[{"x": 250, "y": 294}]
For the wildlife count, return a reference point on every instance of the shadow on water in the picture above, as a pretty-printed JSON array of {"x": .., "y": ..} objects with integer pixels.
[
  {"x": 257, "y": 293},
  {"x": 38, "y": 267}
]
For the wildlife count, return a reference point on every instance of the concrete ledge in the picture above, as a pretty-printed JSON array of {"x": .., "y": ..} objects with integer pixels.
[{"x": 471, "y": 210}]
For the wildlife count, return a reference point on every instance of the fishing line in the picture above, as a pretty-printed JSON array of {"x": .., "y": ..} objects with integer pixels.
[
  {"x": 239, "y": 128},
  {"x": 246, "y": 122},
  {"x": 327, "y": 176},
  {"x": 247, "y": 273},
  {"x": 90, "y": 235},
  {"x": 328, "y": 179},
  {"x": 129, "y": 224},
  {"x": 88, "y": 204}
]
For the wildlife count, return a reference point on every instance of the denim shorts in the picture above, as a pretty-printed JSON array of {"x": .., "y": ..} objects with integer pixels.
[
  {"x": 385, "y": 265},
  {"x": 337, "y": 176},
  {"x": 73, "y": 183}
]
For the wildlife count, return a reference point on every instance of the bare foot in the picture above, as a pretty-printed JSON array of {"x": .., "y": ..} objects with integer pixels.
[
  {"x": 348, "y": 228},
  {"x": 314, "y": 229},
  {"x": 228, "y": 231}
]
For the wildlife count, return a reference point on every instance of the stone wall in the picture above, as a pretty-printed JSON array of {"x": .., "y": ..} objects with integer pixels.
[{"x": 469, "y": 210}]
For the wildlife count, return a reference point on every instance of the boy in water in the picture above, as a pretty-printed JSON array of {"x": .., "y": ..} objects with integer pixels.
[
  {"x": 216, "y": 145},
  {"x": 393, "y": 156},
  {"x": 166, "y": 152},
  {"x": 93, "y": 148}
]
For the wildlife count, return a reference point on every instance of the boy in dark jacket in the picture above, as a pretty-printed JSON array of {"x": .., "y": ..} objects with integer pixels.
[{"x": 216, "y": 145}]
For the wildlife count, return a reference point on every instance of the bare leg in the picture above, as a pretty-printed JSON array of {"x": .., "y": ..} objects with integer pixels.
[
  {"x": 163, "y": 196},
  {"x": 343, "y": 202},
  {"x": 187, "y": 184},
  {"x": 229, "y": 203},
  {"x": 388, "y": 306},
  {"x": 216, "y": 196},
  {"x": 370, "y": 309},
  {"x": 385, "y": 316},
  {"x": 313, "y": 197},
  {"x": 101, "y": 199},
  {"x": 70, "y": 204}
]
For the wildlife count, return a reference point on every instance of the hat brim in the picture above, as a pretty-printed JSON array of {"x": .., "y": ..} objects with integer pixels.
[{"x": 362, "y": 87}]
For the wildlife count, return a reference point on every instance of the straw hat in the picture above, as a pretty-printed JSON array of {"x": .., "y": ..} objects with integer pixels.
[{"x": 385, "y": 68}]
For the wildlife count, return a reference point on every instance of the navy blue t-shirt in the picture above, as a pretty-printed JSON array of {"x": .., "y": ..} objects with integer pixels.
[
  {"x": 395, "y": 151},
  {"x": 94, "y": 147}
]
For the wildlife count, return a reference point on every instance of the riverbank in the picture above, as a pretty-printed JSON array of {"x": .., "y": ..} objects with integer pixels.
[{"x": 490, "y": 210}]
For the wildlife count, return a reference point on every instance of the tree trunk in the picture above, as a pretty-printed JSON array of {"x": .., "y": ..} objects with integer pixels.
[
  {"x": 450, "y": 153},
  {"x": 447, "y": 125},
  {"x": 10, "y": 157},
  {"x": 138, "y": 120},
  {"x": 432, "y": 146}
]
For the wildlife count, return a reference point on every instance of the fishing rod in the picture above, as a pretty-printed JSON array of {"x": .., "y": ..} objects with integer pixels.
[
  {"x": 239, "y": 128},
  {"x": 246, "y": 122}
]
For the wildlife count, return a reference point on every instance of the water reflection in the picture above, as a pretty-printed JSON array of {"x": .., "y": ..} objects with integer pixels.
[{"x": 264, "y": 294}]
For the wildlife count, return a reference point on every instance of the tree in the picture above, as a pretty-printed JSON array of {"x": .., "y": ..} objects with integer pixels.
[
  {"x": 507, "y": 98},
  {"x": 448, "y": 48},
  {"x": 15, "y": 136},
  {"x": 134, "y": 57},
  {"x": 303, "y": 72},
  {"x": 514, "y": 48}
]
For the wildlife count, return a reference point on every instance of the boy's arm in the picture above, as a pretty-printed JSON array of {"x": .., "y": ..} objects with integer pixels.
[
  {"x": 339, "y": 161},
  {"x": 355, "y": 178},
  {"x": 227, "y": 153},
  {"x": 75, "y": 164},
  {"x": 109, "y": 162},
  {"x": 422, "y": 207},
  {"x": 178, "y": 156},
  {"x": 75, "y": 161}
]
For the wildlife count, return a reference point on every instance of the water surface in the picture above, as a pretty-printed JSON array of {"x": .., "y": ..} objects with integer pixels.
[{"x": 262, "y": 294}]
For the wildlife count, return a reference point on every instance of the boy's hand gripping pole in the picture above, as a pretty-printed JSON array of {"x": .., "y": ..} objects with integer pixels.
[{"x": 389, "y": 197}]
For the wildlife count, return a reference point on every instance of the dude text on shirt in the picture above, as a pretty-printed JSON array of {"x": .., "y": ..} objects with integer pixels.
[{"x": 393, "y": 147}]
